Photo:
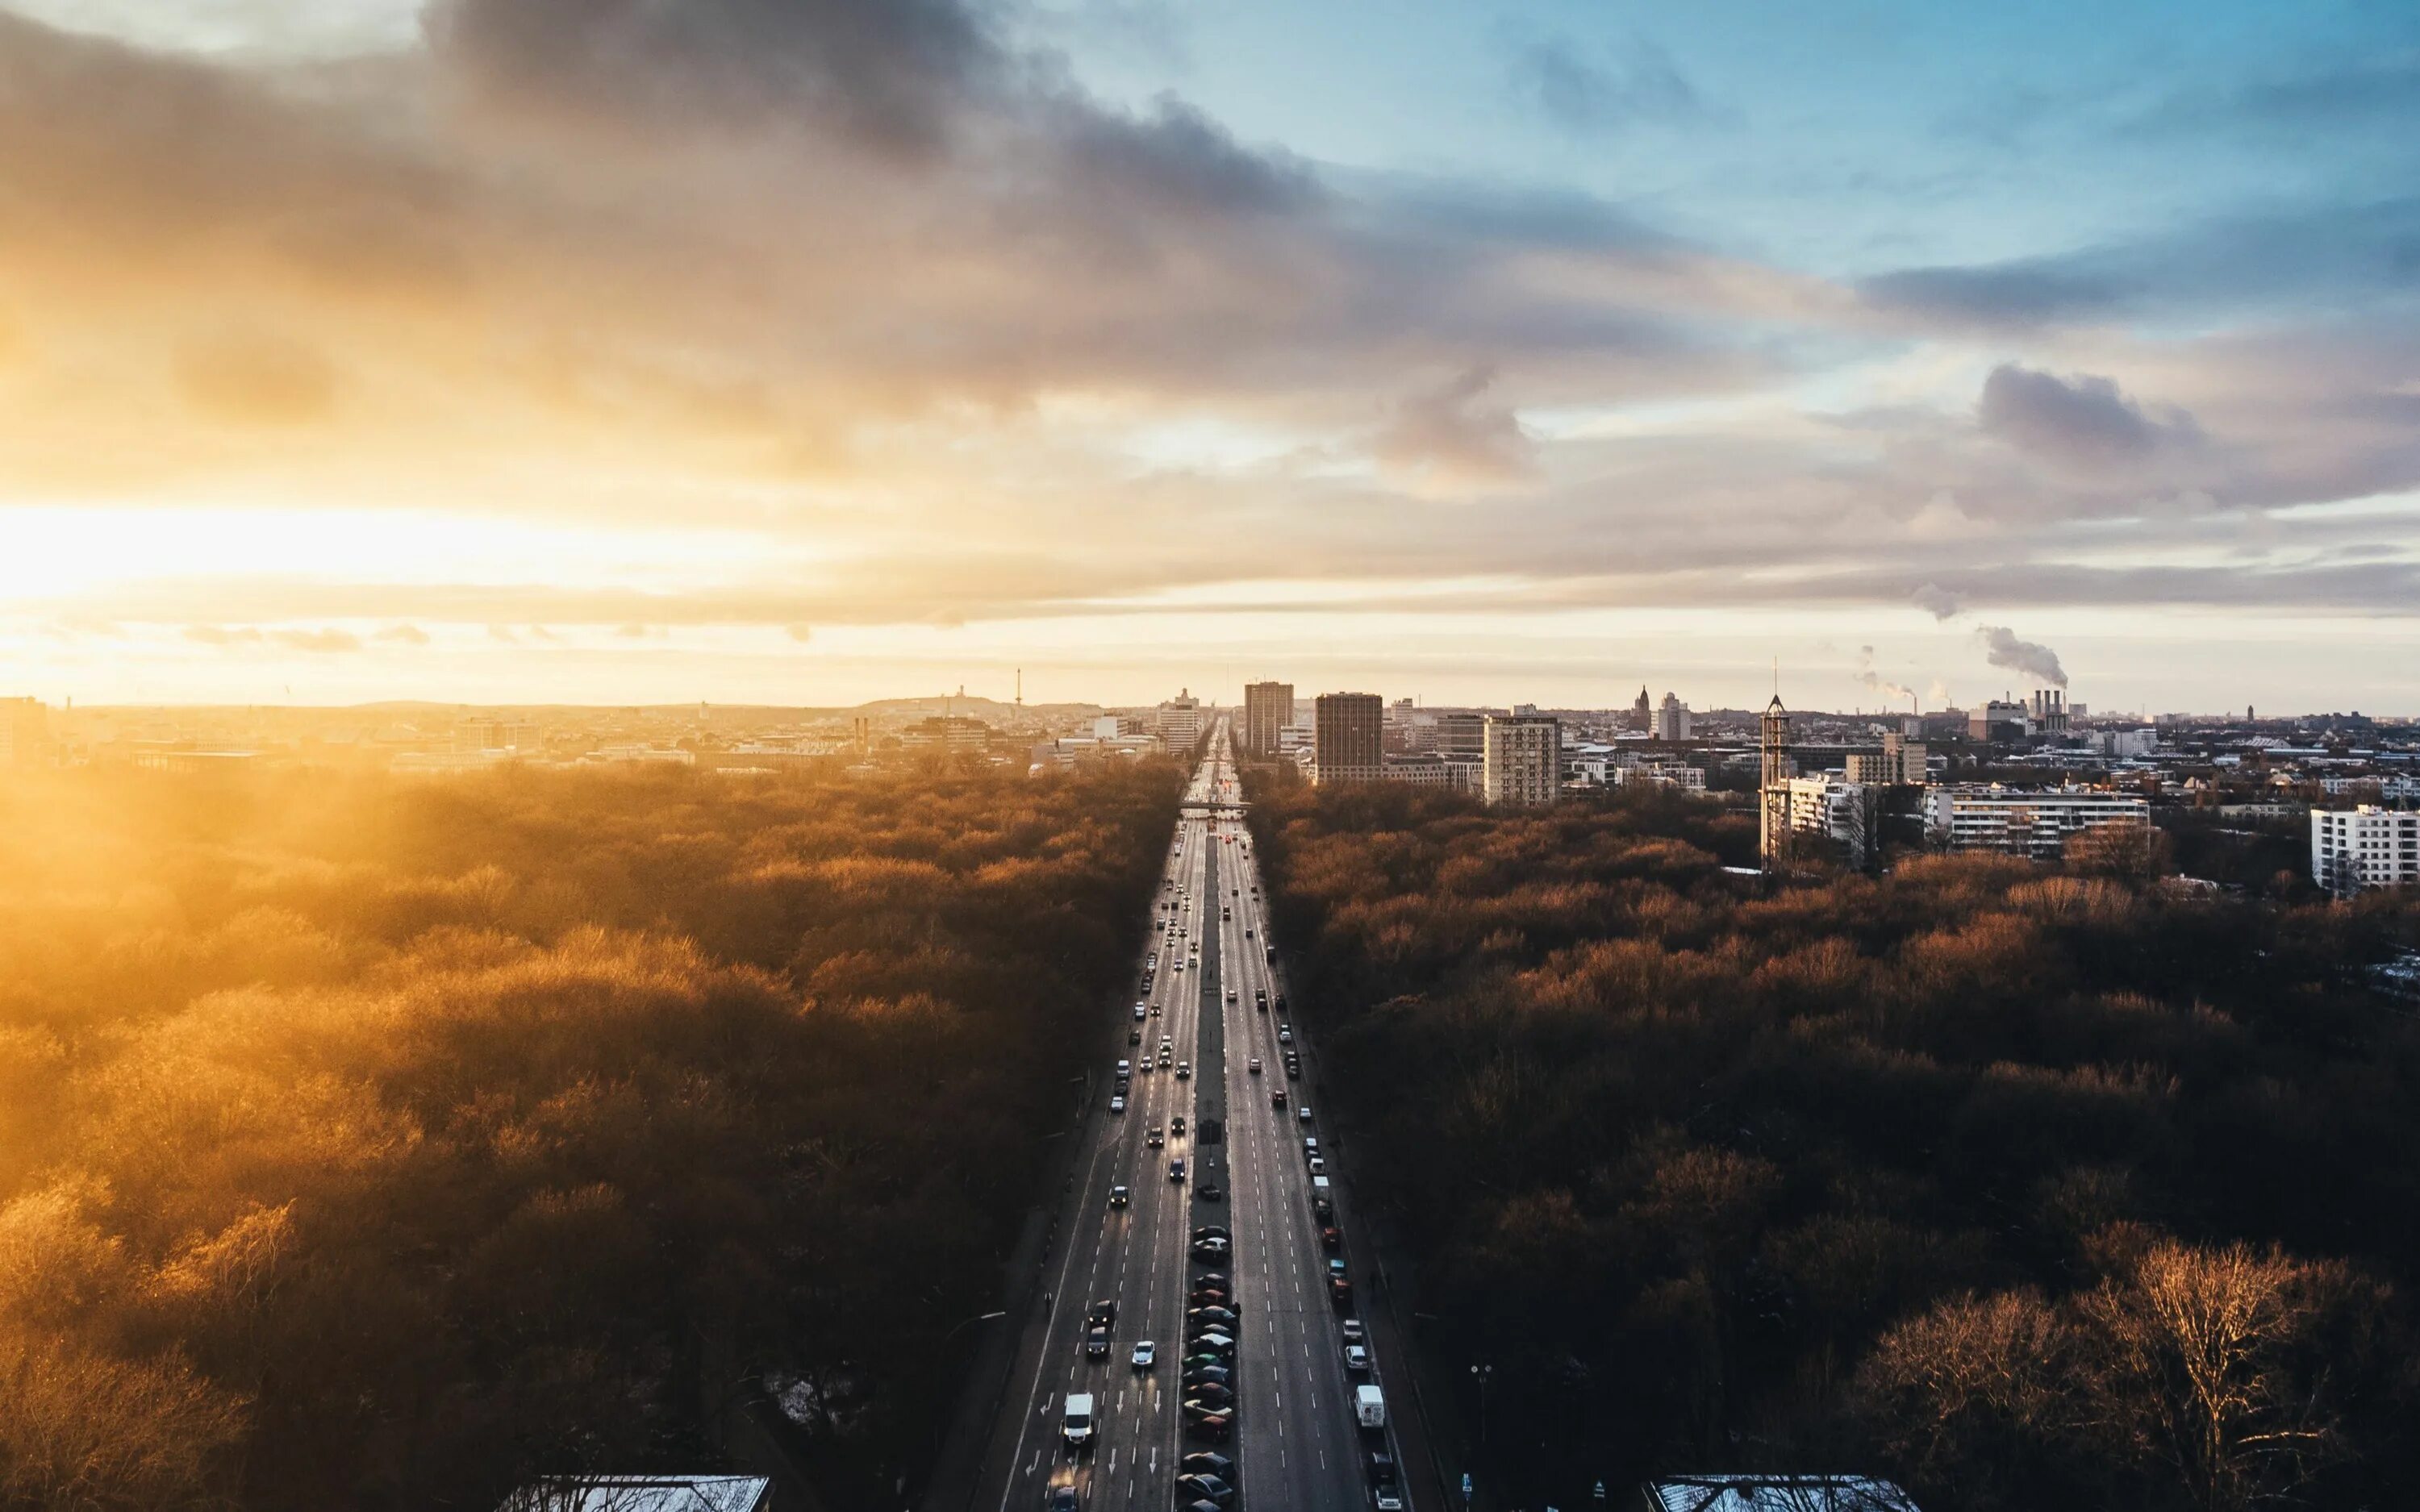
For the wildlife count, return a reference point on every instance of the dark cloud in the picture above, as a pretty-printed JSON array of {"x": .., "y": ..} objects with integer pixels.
[
  {"x": 1587, "y": 94},
  {"x": 893, "y": 75},
  {"x": 1937, "y": 601},
  {"x": 2083, "y": 422},
  {"x": 2002, "y": 648},
  {"x": 1452, "y": 431}
]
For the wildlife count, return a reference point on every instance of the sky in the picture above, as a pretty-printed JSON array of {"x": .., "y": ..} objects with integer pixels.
[{"x": 808, "y": 351}]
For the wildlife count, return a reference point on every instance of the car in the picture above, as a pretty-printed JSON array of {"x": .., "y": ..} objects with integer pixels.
[
  {"x": 1335, "y": 1266},
  {"x": 1254, "y": 1066},
  {"x": 1280, "y": 1002},
  {"x": 1331, "y": 1238},
  {"x": 1213, "y": 1231},
  {"x": 1102, "y": 1314},
  {"x": 1207, "y": 1375},
  {"x": 1294, "y": 1069},
  {"x": 1206, "y": 1422},
  {"x": 1354, "y": 1332},
  {"x": 1247, "y": 931},
  {"x": 1166, "y": 1057},
  {"x": 1212, "y": 1338},
  {"x": 1316, "y": 1166},
  {"x": 1379, "y": 1466},
  {"x": 1230, "y": 995},
  {"x": 1176, "y": 1169},
  {"x": 1302, "y": 1113},
  {"x": 1063, "y": 1499},
  {"x": 1176, "y": 1126},
  {"x": 1146, "y": 1354},
  {"x": 1119, "y": 1197},
  {"x": 1210, "y": 1191},
  {"x": 1208, "y": 1297},
  {"x": 1272, "y": 952},
  {"x": 1339, "y": 1292},
  {"x": 1117, "y": 1104},
  {"x": 1141, "y": 1010},
  {"x": 1155, "y": 1010},
  {"x": 1210, "y": 1488},
  {"x": 1207, "y": 1357},
  {"x": 1310, "y": 1142},
  {"x": 1285, "y": 1035},
  {"x": 1277, "y": 1097},
  {"x": 1184, "y": 1071},
  {"x": 1134, "y": 1037},
  {"x": 1222, "y": 1315},
  {"x": 1155, "y": 1138},
  {"x": 1167, "y": 1042},
  {"x": 1202, "y": 1463},
  {"x": 1387, "y": 1498},
  {"x": 1096, "y": 1343},
  {"x": 1357, "y": 1358},
  {"x": 1211, "y": 1394}
]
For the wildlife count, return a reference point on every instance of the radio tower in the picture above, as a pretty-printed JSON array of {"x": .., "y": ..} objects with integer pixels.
[{"x": 1773, "y": 786}]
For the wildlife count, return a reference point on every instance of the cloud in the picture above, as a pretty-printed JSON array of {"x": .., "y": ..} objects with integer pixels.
[
  {"x": 410, "y": 635},
  {"x": 318, "y": 641},
  {"x": 2002, "y": 648},
  {"x": 218, "y": 635},
  {"x": 2083, "y": 421},
  {"x": 1450, "y": 433},
  {"x": 1586, "y": 97},
  {"x": 1937, "y": 601},
  {"x": 256, "y": 378},
  {"x": 801, "y": 633}
]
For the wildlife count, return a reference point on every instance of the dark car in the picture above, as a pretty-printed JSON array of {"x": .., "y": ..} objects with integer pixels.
[
  {"x": 1277, "y": 1097},
  {"x": 1331, "y": 1237},
  {"x": 1205, "y": 1422},
  {"x": 1210, "y": 1249},
  {"x": 1210, "y": 1191},
  {"x": 1205, "y": 1462},
  {"x": 1210, "y": 1375},
  {"x": 1063, "y": 1499},
  {"x": 1206, "y": 1357},
  {"x": 1212, "y": 1341},
  {"x": 1213, "y": 1231},
  {"x": 1204, "y": 1487},
  {"x": 1211, "y": 1394},
  {"x": 1380, "y": 1466},
  {"x": 1211, "y": 1278},
  {"x": 1096, "y": 1343},
  {"x": 1211, "y": 1315},
  {"x": 1339, "y": 1292}
]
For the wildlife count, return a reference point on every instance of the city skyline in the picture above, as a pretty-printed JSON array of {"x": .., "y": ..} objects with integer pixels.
[{"x": 508, "y": 350}]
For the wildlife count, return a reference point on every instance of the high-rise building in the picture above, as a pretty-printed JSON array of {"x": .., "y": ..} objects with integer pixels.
[
  {"x": 2363, "y": 847},
  {"x": 1349, "y": 737},
  {"x": 1998, "y": 719},
  {"x": 1180, "y": 720},
  {"x": 1268, "y": 707},
  {"x": 24, "y": 731},
  {"x": 1901, "y": 764},
  {"x": 1521, "y": 762},
  {"x": 1642, "y": 714},
  {"x": 1848, "y": 813},
  {"x": 1773, "y": 782},
  {"x": 1672, "y": 719}
]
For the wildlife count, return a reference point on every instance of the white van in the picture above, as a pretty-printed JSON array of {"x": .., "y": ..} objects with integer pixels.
[{"x": 1076, "y": 1428}]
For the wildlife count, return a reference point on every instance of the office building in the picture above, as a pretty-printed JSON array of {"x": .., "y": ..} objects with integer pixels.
[
  {"x": 2025, "y": 822},
  {"x": 1672, "y": 719},
  {"x": 1180, "y": 720},
  {"x": 24, "y": 731},
  {"x": 1268, "y": 708},
  {"x": 1348, "y": 736},
  {"x": 2364, "y": 847},
  {"x": 1521, "y": 762},
  {"x": 1901, "y": 764}
]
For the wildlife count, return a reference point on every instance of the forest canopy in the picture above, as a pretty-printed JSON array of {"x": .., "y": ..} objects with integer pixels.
[
  {"x": 2027, "y": 1186},
  {"x": 370, "y": 1143}
]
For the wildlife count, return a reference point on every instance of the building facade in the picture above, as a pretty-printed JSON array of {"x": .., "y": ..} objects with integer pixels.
[
  {"x": 1672, "y": 719},
  {"x": 1901, "y": 764},
  {"x": 1998, "y": 719},
  {"x": 1521, "y": 760},
  {"x": 1349, "y": 734},
  {"x": 2025, "y": 822},
  {"x": 1180, "y": 720},
  {"x": 2364, "y": 847},
  {"x": 1848, "y": 813},
  {"x": 1268, "y": 708}
]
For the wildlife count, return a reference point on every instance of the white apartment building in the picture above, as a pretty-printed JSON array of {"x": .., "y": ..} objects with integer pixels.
[
  {"x": 2364, "y": 847},
  {"x": 1431, "y": 770},
  {"x": 1901, "y": 763},
  {"x": 1661, "y": 774},
  {"x": 1847, "y": 812},
  {"x": 2033, "y": 821},
  {"x": 1521, "y": 762}
]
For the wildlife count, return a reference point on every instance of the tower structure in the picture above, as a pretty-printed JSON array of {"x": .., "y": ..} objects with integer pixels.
[{"x": 1773, "y": 785}]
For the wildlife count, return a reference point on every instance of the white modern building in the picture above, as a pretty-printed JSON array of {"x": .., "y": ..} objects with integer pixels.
[
  {"x": 1661, "y": 774},
  {"x": 1901, "y": 764},
  {"x": 1846, "y": 812},
  {"x": 1672, "y": 719},
  {"x": 2033, "y": 821},
  {"x": 1521, "y": 762},
  {"x": 2364, "y": 847}
]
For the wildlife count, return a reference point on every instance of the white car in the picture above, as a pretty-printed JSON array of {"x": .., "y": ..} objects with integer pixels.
[
  {"x": 1117, "y": 1104},
  {"x": 1357, "y": 1358},
  {"x": 1146, "y": 1354}
]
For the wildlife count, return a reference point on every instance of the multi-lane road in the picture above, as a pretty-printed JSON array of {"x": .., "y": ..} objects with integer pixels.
[{"x": 1295, "y": 1441}]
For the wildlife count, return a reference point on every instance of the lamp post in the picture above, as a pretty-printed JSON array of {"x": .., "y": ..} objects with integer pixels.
[
  {"x": 1483, "y": 1372},
  {"x": 978, "y": 1318}
]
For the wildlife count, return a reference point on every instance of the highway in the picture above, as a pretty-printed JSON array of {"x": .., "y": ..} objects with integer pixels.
[{"x": 1296, "y": 1442}]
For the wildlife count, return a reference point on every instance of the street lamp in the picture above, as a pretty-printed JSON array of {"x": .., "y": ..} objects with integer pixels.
[
  {"x": 978, "y": 1318},
  {"x": 1483, "y": 1372}
]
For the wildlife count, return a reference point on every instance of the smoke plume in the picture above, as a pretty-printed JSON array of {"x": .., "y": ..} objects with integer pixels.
[
  {"x": 1893, "y": 691},
  {"x": 2002, "y": 648}
]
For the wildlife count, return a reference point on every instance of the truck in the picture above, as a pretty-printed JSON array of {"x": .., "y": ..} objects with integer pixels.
[
  {"x": 1369, "y": 1407},
  {"x": 1077, "y": 1427}
]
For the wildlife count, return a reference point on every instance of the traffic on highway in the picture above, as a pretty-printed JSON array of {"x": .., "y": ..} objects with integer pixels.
[{"x": 1203, "y": 1347}]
